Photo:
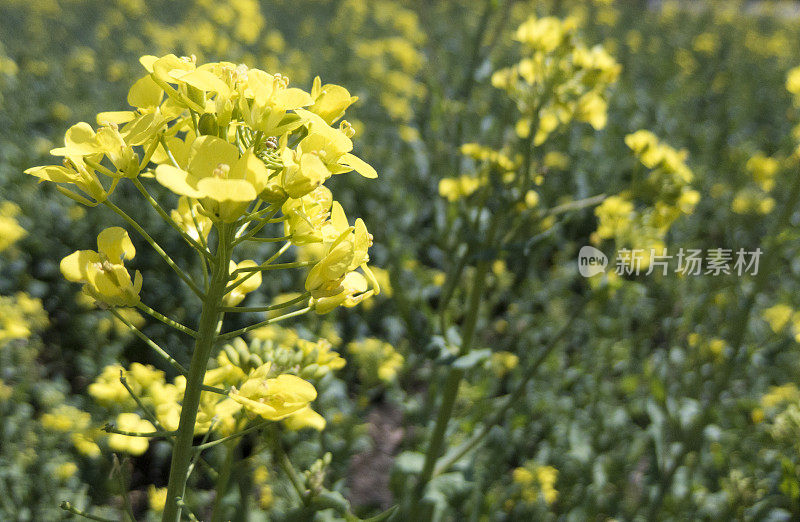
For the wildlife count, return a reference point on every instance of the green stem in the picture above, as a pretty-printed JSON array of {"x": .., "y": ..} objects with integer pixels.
[
  {"x": 279, "y": 266},
  {"x": 240, "y": 331},
  {"x": 163, "y": 141},
  {"x": 265, "y": 267},
  {"x": 267, "y": 308},
  {"x": 511, "y": 400},
  {"x": 160, "y": 351},
  {"x": 736, "y": 341},
  {"x": 206, "y": 445},
  {"x": 207, "y": 335},
  {"x": 452, "y": 383},
  {"x": 274, "y": 256},
  {"x": 160, "y": 251},
  {"x": 97, "y": 166},
  {"x": 217, "y": 513},
  {"x": 665, "y": 483},
  {"x": 123, "y": 486},
  {"x": 69, "y": 508},
  {"x": 111, "y": 429},
  {"x": 449, "y": 288},
  {"x": 204, "y": 261},
  {"x": 168, "y": 220},
  {"x": 149, "y": 414},
  {"x": 287, "y": 467},
  {"x": 214, "y": 389},
  {"x": 166, "y": 320},
  {"x": 269, "y": 239},
  {"x": 148, "y": 155},
  {"x": 198, "y": 229},
  {"x": 194, "y": 122}
]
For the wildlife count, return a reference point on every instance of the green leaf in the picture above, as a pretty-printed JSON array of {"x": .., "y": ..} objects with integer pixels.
[
  {"x": 409, "y": 462},
  {"x": 472, "y": 359}
]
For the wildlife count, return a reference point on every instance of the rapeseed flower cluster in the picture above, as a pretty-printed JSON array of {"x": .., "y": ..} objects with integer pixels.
[
  {"x": 782, "y": 318},
  {"x": 377, "y": 360},
  {"x": 776, "y": 401},
  {"x": 256, "y": 388},
  {"x": 558, "y": 80},
  {"x": 536, "y": 482},
  {"x": 20, "y": 316},
  {"x": 242, "y": 394},
  {"x": 78, "y": 424},
  {"x": 465, "y": 185},
  {"x": 712, "y": 347},
  {"x": 779, "y": 411},
  {"x": 227, "y": 140},
  {"x": 665, "y": 192},
  {"x": 755, "y": 199}
]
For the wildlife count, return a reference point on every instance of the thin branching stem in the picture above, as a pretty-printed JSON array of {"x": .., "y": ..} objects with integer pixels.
[
  {"x": 172, "y": 160},
  {"x": 267, "y": 308},
  {"x": 278, "y": 266},
  {"x": 108, "y": 428},
  {"x": 149, "y": 342},
  {"x": 149, "y": 414},
  {"x": 449, "y": 460},
  {"x": 171, "y": 222},
  {"x": 269, "y": 239},
  {"x": 263, "y": 216},
  {"x": 240, "y": 331},
  {"x": 69, "y": 508},
  {"x": 160, "y": 251},
  {"x": 166, "y": 320},
  {"x": 256, "y": 427},
  {"x": 272, "y": 258},
  {"x": 286, "y": 465}
]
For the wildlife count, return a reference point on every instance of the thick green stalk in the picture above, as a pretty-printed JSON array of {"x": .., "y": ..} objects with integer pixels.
[
  {"x": 206, "y": 336},
  {"x": 452, "y": 383}
]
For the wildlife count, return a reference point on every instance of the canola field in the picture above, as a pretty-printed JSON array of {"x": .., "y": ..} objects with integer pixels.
[{"x": 399, "y": 260}]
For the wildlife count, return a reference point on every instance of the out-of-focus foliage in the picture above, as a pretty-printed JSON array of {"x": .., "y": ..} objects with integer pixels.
[{"x": 668, "y": 397}]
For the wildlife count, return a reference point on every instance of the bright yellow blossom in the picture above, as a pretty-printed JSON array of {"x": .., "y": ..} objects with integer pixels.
[
  {"x": 133, "y": 423},
  {"x": 273, "y": 398},
  {"x": 104, "y": 276}
]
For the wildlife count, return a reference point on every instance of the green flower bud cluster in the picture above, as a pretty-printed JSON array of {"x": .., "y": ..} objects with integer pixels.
[{"x": 287, "y": 352}]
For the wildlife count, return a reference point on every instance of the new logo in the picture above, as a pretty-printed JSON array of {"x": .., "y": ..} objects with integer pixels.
[{"x": 591, "y": 261}]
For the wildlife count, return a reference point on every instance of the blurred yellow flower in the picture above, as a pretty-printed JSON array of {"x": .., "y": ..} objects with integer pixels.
[{"x": 133, "y": 423}]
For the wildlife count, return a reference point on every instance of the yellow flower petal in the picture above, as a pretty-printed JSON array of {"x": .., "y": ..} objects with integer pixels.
[
  {"x": 208, "y": 152},
  {"x": 293, "y": 98},
  {"x": 237, "y": 190},
  {"x": 359, "y": 165},
  {"x": 73, "y": 267},
  {"x": 305, "y": 418},
  {"x": 145, "y": 93},
  {"x": 176, "y": 180},
  {"x": 115, "y": 243}
]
